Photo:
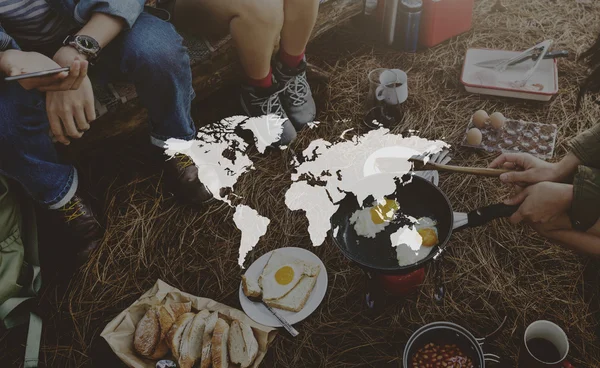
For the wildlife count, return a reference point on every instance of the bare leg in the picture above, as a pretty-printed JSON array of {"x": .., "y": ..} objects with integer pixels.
[
  {"x": 300, "y": 19},
  {"x": 561, "y": 231},
  {"x": 254, "y": 25}
]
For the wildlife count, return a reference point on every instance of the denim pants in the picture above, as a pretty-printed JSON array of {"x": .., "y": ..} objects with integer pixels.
[{"x": 151, "y": 56}]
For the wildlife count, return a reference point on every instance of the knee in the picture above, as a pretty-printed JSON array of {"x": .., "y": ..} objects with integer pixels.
[
  {"x": 154, "y": 46},
  {"x": 266, "y": 13},
  {"x": 21, "y": 112}
]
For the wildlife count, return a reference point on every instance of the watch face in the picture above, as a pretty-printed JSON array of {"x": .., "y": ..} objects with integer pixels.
[{"x": 87, "y": 43}]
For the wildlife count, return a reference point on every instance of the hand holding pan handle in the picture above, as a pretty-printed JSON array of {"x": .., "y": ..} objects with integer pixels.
[{"x": 486, "y": 214}]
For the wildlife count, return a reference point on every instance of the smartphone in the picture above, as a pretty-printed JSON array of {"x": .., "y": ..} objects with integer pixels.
[{"x": 43, "y": 73}]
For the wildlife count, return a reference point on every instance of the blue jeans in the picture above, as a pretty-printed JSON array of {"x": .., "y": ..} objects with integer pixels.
[{"x": 151, "y": 56}]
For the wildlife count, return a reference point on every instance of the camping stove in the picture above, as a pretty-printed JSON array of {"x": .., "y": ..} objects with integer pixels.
[{"x": 399, "y": 285}]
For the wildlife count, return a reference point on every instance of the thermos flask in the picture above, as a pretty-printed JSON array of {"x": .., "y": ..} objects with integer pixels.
[
  {"x": 389, "y": 21},
  {"x": 407, "y": 25}
]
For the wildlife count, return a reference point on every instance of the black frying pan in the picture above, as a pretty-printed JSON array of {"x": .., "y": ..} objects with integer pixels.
[{"x": 418, "y": 198}]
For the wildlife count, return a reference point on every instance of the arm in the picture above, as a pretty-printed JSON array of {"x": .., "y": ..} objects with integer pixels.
[
  {"x": 13, "y": 62},
  {"x": 125, "y": 10},
  {"x": 585, "y": 209},
  {"x": 586, "y": 147},
  {"x": 70, "y": 113},
  {"x": 7, "y": 42},
  {"x": 102, "y": 27}
]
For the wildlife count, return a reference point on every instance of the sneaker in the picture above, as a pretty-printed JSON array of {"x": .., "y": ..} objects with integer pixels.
[
  {"x": 81, "y": 225},
  {"x": 182, "y": 177},
  {"x": 296, "y": 98},
  {"x": 264, "y": 101}
]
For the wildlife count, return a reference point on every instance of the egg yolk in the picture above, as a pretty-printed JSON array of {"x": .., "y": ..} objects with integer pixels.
[
  {"x": 384, "y": 212},
  {"x": 429, "y": 237},
  {"x": 284, "y": 275}
]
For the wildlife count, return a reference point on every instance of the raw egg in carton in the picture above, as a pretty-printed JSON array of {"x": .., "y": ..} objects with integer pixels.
[{"x": 510, "y": 135}]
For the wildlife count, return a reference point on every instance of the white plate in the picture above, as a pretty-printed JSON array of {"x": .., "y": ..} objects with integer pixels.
[{"x": 260, "y": 314}]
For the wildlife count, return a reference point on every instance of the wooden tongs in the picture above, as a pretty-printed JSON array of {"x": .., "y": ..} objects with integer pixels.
[{"x": 419, "y": 164}]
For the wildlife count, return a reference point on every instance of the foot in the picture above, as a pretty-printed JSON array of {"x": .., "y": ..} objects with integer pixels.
[
  {"x": 182, "y": 176},
  {"x": 81, "y": 225},
  {"x": 265, "y": 101},
  {"x": 296, "y": 98}
]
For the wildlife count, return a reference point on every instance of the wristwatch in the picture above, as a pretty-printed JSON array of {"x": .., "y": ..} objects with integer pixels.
[{"x": 85, "y": 45}]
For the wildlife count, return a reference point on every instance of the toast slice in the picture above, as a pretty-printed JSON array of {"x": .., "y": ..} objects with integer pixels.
[
  {"x": 211, "y": 321},
  {"x": 295, "y": 300},
  {"x": 243, "y": 347},
  {"x": 191, "y": 343},
  {"x": 219, "y": 345},
  {"x": 250, "y": 287}
]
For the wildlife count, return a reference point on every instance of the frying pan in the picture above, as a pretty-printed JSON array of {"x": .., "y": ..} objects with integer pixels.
[{"x": 416, "y": 197}]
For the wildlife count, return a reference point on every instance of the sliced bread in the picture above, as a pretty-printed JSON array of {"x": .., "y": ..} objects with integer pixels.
[
  {"x": 243, "y": 347},
  {"x": 176, "y": 333},
  {"x": 295, "y": 300},
  {"x": 190, "y": 349},
  {"x": 211, "y": 321},
  {"x": 250, "y": 287},
  {"x": 219, "y": 345},
  {"x": 177, "y": 309}
]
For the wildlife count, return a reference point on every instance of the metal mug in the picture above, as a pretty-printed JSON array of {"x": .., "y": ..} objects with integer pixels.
[
  {"x": 547, "y": 334},
  {"x": 389, "y": 86}
]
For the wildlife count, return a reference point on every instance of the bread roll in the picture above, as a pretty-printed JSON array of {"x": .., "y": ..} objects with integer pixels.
[
  {"x": 243, "y": 347},
  {"x": 160, "y": 352},
  {"x": 147, "y": 333},
  {"x": 191, "y": 343},
  {"x": 211, "y": 321},
  {"x": 219, "y": 345},
  {"x": 177, "y": 309},
  {"x": 176, "y": 332}
]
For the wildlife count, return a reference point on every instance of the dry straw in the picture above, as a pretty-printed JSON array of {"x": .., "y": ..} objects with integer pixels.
[{"x": 492, "y": 272}]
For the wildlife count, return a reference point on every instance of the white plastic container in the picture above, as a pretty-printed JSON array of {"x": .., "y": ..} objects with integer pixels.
[{"x": 542, "y": 86}]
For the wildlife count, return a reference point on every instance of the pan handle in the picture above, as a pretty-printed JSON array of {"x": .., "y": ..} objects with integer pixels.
[{"x": 486, "y": 214}]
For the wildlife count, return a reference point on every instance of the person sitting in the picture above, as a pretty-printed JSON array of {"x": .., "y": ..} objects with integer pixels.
[
  {"x": 255, "y": 26},
  {"x": 122, "y": 42},
  {"x": 562, "y": 200}
]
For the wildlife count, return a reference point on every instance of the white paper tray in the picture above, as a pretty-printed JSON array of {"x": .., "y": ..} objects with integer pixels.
[{"x": 541, "y": 87}]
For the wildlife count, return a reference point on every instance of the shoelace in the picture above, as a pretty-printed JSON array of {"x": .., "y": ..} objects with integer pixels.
[
  {"x": 72, "y": 210},
  {"x": 270, "y": 104},
  {"x": 297, "y": 88},
  {"x": 183, "y": 161}
]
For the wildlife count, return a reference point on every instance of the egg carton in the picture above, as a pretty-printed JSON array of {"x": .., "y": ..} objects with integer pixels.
[{"x": 517, "y": 136}]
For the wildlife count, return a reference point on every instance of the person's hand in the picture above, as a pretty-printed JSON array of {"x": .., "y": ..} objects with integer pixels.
[
  {"x": 70, "y": 112},
  {"x": 528, "y": 169},
  {"x": 15, "y": 62},
  {"x": 68, "y": 56},
  {"x": 541, "y": 203}
]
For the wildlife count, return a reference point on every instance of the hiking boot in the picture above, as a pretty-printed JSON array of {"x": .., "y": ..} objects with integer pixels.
[
  {"x": 81, "y": 225},
  {"x": 296, "y": 98},
  {"x": 264, "y": 101},
  {"x": 182, "y": 176}
]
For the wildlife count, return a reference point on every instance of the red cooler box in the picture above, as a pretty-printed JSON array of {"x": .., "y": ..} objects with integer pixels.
[{"x": 444, "y": 19}]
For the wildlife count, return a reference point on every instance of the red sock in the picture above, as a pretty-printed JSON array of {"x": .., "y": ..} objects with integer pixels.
[
  {"x": 265, "y": 82},
  {"x": 291, "y": 61}
]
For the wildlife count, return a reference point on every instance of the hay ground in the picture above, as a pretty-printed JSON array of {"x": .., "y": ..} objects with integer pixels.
[{"x": 492, "y": 272}]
